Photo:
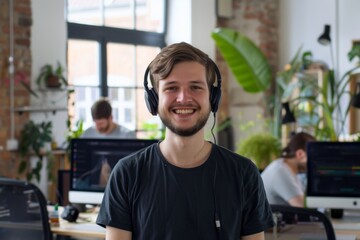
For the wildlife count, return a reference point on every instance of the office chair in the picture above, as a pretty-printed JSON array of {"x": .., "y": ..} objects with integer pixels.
[
  {"x": 23, "y": 211},
  {"x": 292, "y": 223}
]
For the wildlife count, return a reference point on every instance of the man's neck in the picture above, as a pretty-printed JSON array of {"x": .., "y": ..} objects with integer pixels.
[
  {"x": 111, "y": 128},
  {"x": 185, "y": 152}
]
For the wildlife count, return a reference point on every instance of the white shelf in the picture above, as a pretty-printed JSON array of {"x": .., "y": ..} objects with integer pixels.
[{"x": 53, "y": 109}]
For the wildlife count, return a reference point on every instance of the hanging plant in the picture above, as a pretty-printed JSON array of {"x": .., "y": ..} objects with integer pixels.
[{"x": 52, "y": 77}]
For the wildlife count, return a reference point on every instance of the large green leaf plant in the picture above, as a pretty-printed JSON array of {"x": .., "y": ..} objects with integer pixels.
[{"x": 249, "y": 66}]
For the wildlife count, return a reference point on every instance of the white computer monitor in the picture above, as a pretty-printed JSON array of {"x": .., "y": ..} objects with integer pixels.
[
  {"x": 333, "y": 175},
  {"x": 91, "y": 163}
]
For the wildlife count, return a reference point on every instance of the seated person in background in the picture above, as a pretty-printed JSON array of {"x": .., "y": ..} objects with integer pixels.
[
  {"x": 280, "y": 177},
  {"x": 105, "y": 127}
]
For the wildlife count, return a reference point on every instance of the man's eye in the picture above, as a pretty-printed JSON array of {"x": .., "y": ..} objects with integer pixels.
[
  {"x": 196, "y": 87},
  {"x": 170, "y": 89}
]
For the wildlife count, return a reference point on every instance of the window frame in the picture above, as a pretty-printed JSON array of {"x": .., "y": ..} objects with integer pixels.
[{"x": 105, "y": 34}]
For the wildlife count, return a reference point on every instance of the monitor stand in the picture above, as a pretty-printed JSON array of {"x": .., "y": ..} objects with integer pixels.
[{"x": 336, "y": 213}]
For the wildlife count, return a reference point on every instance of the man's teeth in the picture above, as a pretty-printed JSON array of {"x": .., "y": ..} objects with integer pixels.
[{"x": 184, "y": 111}]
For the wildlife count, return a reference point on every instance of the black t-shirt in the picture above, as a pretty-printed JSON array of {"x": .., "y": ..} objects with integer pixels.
[{"x": 157, "y": 200}]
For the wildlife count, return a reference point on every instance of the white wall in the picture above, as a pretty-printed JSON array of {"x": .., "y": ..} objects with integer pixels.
[
  {"x": 192, "y": 22},
  {"x": 48, "y": 45},
  {"x": 302, "y": 22}
]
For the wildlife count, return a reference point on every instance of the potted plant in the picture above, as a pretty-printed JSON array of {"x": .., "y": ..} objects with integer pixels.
[
  {"x": 52, "y": 77},
  {"x": 261, "y": 148},
  {"x": 72, "y": 133},
  {"x": 324, "y": 98},
  {"x": 33, "y": 140}
]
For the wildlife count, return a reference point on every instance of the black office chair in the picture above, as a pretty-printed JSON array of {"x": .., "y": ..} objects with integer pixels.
[
  {"x": 23, "y": 211},
  {"x": 299, "y": 223}
]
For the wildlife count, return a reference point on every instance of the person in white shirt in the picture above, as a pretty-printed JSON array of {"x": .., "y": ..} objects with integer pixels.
[{"x": 281, "y": 177}]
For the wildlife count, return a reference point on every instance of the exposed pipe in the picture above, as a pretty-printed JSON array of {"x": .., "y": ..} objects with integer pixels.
[
  {"x": 12, "y": 142},
  {"x": 11, "y": 67}
]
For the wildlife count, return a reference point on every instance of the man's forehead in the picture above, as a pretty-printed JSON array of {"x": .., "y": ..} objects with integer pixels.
[
  {"x": 179, "y": 81},
  {"x": 100, "y": 120}
]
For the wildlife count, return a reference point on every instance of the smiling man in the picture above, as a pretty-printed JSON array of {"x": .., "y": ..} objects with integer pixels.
[{"x": 184, "y": 187}]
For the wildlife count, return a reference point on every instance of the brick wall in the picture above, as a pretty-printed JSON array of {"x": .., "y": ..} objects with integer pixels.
[{"x": 22, "y": 19}]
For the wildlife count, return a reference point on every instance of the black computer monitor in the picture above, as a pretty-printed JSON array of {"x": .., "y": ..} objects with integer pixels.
[
  {"x": 333, "y": 175},
  {"x": 91, "y": 163}
]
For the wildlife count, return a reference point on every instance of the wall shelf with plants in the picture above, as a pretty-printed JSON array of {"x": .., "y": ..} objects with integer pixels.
[
  {"x": 52, "y": 87},
  {"x": 52, "y": 109}
]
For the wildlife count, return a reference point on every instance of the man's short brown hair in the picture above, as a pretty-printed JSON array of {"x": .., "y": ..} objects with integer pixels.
[
  {"x": 101, "y": 109},
  {"x": 171, "y": 55}
]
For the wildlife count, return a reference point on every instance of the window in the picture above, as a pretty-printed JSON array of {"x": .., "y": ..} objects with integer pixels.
[{"x": 110, "y": 44}]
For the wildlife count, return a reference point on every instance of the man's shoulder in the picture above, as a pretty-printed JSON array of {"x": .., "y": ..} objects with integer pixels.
[
  {"x": 141, "y": 156},
  {"x": 229, "y": 154},
  {"x": 89, "y": 133},
  {"x": 122, "y": 131},
  {"x": 134, "y": 164},
  {"x": 233, "y": 160}
]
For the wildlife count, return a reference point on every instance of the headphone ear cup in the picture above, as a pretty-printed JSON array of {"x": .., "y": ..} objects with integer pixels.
[
  {"x": 151, "y": 100},
  {"x": 215, "y": 96}
]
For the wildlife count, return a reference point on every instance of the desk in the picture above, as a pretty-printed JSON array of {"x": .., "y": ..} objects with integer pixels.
[
  {"x": 81, "y": 228},
  {"x": 348, "y": 224}
]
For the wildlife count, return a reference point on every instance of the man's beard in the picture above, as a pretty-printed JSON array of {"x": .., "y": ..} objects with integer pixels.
[
  {"x": 104, "y": 129},
  {"x": 185, "y": 132}
]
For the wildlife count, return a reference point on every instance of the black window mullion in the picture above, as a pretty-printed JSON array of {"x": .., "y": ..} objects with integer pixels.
[
  {"x": 103, "y": 69},
  {"x": 119, "y": 35}
]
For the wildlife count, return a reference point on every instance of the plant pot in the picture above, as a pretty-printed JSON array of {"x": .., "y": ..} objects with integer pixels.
[{"x": 53, "y": 82}]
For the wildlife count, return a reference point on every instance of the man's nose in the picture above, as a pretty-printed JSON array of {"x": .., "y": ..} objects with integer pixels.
[{"x": 184, "y": 95}]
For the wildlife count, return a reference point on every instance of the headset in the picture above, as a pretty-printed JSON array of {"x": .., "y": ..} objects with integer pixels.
[{"x": 152, "y": 98}]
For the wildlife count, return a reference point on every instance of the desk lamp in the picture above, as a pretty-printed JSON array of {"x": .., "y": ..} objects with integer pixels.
[
  {"x": 288, "y": 121},
  {"x": 356, "y": 98},
  {"x": 324, "y": 38}
]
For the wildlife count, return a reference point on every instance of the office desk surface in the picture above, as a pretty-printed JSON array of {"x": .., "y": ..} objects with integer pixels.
[
  {"x": 348, "y": 224},
  {"x": 79, "y": 230},
  {"x": 85, "y": 226}
]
